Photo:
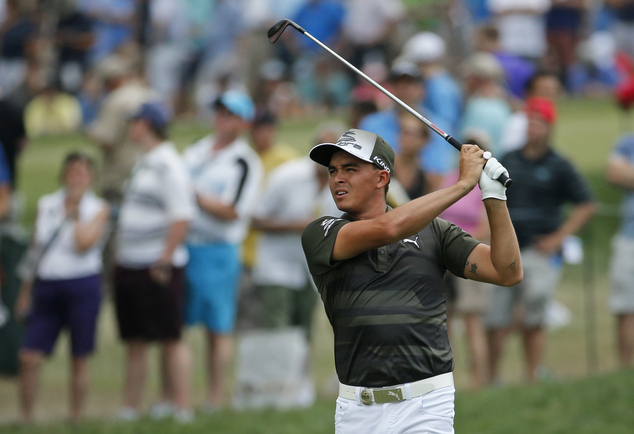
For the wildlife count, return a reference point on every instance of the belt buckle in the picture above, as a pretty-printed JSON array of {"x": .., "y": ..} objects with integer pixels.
[
  {"x": 366, "y": 396},
  {"x": 394, "y": 394}
]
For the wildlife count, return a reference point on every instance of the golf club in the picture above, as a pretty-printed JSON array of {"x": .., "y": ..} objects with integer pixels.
[{"x": 276, "y": 31}]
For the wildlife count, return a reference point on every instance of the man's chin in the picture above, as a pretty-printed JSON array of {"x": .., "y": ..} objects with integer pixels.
[{"x": 344, "y": 206}]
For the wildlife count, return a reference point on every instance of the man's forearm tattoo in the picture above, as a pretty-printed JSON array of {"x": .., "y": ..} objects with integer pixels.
[
  {"x": 474, "y": 267},
  {"x": 512, "y": 266}
]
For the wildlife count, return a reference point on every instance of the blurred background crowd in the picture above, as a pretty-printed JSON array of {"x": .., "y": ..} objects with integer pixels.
[
  {"x": 57, "y": 56},
  {"x": 469, "y": 66}
]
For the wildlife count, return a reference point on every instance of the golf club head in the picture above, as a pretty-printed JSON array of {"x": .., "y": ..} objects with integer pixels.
[{"x": 276, "y": 31}]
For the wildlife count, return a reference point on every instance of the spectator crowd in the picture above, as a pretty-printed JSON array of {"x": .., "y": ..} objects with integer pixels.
[{"x": 211, "y": 236}]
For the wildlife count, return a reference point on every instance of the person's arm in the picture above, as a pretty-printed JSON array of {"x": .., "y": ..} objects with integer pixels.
[
  {"x": 216, "y": 208},
  {"x": 272, "y": 225},
  {"x": 5, "y": 199},
  {"x": 88, "y": 233},
  {"x": 161, "y": 271},
  {"x": 175, "y": 236},
  {"x": 24, "y": 301},
  {"x": 578, "y": 217},
  {"x": 411, "y": 217},
  {"x": 500, "y": 263},
  {"x": 620, "y": 173}
]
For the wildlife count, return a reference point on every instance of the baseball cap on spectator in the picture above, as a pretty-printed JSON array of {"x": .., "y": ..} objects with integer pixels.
[
  {"x": 542, "y": 106},
  {"x": 404, "y": 69},
  {"x": 483, "y": 65},
  {"x": 155, "y": 113},
  {"x": 624, "y": 93},
  {"x": 424, "y": 47},
  {"x": 237, "y": 103},
  {"x": 362, "y": 144}
]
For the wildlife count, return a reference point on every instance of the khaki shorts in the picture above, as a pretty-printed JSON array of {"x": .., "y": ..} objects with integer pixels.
[
  {"x": 472, "y": 296},
  {"x": 622, "y": 275},
  {"x": 531, "y": 296}
]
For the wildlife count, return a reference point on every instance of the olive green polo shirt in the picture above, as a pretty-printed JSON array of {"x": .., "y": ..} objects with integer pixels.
[{"x": 387, "y": 305}]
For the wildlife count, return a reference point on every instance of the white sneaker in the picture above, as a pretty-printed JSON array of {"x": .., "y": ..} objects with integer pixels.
[
  {"x": 162, "y": 410},
  {"x": 209, "y": 408},
  {"x": 127, "y": 414},
  {"x": 184, "y": 415}
]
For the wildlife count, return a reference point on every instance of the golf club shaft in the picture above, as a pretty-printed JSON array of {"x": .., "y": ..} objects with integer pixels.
[
  {"x": 276, "y": 31},
  {"x": 455, "y": 143}
]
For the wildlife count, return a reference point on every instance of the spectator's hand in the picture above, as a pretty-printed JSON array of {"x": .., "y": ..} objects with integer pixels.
[
  {"x": 490, "y": 187},
  {"x": 24, "y": 302},
  {"x": 548, "y": 244},
  {"x": 161, "y": 273}
]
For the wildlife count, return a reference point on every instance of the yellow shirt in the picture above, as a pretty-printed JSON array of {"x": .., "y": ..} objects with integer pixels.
[
  {"x": 271, "y": 158},
  {"x": 54, "y": 114}
]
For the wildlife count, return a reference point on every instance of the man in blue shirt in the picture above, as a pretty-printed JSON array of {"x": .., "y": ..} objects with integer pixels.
[
  {"x": 444, "y": 96},
  {"x": 407, "y": 85}
]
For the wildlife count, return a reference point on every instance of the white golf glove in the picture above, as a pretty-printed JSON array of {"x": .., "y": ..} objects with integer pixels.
[{"x": 490, "y": 187}]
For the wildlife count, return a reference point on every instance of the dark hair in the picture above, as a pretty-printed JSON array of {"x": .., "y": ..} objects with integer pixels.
[
  {"x": 264, "y": 117},
  {"x": 541, "y": 73},
  {"x": 75, "y": 157}
]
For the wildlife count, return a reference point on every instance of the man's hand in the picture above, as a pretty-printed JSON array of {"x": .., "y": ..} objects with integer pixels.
[
  {"x": 490, "y": 187},
  {"x": 161, "y": 273},
  {"x": 548, "y": 244},
  {"x": 471, "y": 162}
]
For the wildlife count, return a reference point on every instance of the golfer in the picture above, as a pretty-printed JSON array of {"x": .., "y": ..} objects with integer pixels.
[{"x": 380, "y": 271}]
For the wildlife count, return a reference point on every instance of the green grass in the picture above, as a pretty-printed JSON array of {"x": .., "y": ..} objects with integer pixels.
[
  {"x": 589, "y": 406},
  {"x": 602, "y": 403}
]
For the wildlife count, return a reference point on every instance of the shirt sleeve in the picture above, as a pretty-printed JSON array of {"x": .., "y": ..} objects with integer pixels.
[
  {"x": 574, "y": 186},
  {"x": 455, "y": 245},
  {"x": 179, "y": 194},
  {"x": 318, "y": 240}
]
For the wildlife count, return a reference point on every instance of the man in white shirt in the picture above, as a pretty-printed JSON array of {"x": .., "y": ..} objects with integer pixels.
[
  {"x": 226, "y": 173},
  {"x": 522, "y": 26},
  {"x": 157, "y": 207}
]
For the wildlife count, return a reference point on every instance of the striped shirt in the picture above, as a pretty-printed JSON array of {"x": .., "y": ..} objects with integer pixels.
[
  {"x": 158, "y": 193},
  {"x": 387, "y": 305}
]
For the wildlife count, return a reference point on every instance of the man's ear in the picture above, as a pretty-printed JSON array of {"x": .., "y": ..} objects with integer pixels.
[{"x": 383, "y": 180}]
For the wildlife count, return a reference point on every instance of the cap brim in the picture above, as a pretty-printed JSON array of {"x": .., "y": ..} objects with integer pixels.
[{"x": 322, "y": 153}]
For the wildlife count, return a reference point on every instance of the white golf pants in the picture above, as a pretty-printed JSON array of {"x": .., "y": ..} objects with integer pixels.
[{"x": 432, "y": 413}]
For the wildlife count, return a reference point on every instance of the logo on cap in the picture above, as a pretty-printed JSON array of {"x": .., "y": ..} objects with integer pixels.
[
  {"x": 348, "y": 138},
  {"x": 381, "y": 163}
]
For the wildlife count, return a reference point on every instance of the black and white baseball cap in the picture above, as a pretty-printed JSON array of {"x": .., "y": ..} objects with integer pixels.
[{"x": 362, "y": 144}]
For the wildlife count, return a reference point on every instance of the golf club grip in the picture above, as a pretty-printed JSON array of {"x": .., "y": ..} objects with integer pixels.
[{"x": 502, "y": 179}]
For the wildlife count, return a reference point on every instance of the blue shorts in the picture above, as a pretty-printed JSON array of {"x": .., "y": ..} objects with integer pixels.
[
  {"x": 67, "y": 303},
  {"x": 213, "y": 272}
]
